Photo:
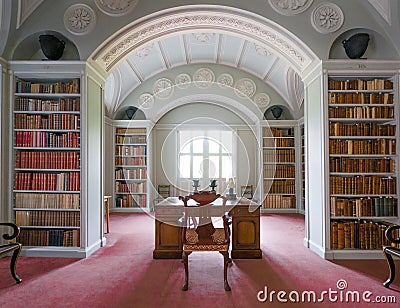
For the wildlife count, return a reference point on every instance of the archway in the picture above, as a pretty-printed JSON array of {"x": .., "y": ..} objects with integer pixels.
[{"x": 199, "y": 18}]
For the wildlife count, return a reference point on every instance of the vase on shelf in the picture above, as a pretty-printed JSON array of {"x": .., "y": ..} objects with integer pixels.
[
  {"x": 276, "y": 112},
  {"x": 356, "y": 45}
]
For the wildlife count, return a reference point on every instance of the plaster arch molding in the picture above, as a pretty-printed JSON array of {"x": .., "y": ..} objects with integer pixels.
[{"x": 197, "y": 18}]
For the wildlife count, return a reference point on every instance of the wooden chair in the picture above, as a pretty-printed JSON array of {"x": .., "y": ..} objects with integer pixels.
[
  {"x": 392, "y": 235},
  {"x": 203, "y": 236},
  {"x": 15, "y": 247}
]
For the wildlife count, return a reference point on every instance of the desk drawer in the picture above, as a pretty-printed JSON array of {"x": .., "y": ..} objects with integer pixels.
[{"x": 243, "y": 210}]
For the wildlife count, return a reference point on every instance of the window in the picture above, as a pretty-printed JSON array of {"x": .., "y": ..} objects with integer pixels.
[{"x": 205, "y": 155}]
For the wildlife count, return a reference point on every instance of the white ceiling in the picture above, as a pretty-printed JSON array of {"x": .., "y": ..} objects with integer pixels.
[{"x": 207, "y": 48}]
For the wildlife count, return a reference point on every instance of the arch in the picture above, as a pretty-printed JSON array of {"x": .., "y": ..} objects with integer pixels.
[{"x": 198, "y": 18}]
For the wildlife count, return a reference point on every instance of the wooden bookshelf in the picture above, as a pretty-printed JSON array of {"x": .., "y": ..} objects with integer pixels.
[
  {"x": 131, "y": 167},
  {"x": 279, "y": 166},
  {"x": 303, "y": 170},
  {"x": 46, "y": 160},
  {"x": 362, "y": 165}
]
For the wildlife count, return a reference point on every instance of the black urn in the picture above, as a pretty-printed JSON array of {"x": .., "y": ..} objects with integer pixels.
[
  {"x": 276, "y": 112},
  {"x": 130, "y": 112},
  {"x": 356, "y": 45},
  {"x": 51, "y": 46}
]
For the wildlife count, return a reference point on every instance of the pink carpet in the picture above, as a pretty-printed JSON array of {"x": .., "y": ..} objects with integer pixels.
[{"x": 123, "y": 274}]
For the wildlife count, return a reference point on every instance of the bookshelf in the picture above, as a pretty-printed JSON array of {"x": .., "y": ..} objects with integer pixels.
[
  {"x": 131, "y": 166},
  {"x": 279, "y": 142},
  {"x": 302, "y": 169},
  {"x": 45, "y": 160},
  {"x": 362, "y": 148}
]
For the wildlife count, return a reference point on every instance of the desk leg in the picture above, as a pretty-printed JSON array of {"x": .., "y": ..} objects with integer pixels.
[{"x": 107, "y": 215}]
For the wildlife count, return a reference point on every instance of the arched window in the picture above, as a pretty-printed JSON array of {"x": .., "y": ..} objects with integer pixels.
[{"x": 205, "y": 155}]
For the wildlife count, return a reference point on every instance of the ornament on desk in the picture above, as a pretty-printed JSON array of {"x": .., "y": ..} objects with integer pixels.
[
  {"x": 196, "y": 186},
  {"x": 231, "y": 192},
  {"x": 213, "y": 184}
]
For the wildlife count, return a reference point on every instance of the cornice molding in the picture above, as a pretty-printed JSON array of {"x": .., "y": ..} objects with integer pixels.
[{"x": 220, "y": 19}]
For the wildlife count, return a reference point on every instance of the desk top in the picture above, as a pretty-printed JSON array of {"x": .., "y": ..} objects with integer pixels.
[{"x": 217, "y": 202}]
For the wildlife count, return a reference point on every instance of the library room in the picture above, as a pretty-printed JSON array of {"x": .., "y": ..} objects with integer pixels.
[{"x": 205, "y": 154}]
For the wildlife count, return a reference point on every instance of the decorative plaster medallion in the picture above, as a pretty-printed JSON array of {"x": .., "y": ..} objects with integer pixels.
[
  {"x": 203, "y": 77},
  {"x": 245, "y": 87},
  {"x": 203, "y": 37},
  {"x": 145, "y": 51},
  {"x": 290, "y": 7},
  {"x": 116, "y": 7},
  {"x": 262, "y": 100},
  {"x": 261, "y": 50},
  {"x": 327, "y": 18},
  {"x": 146, "y": 101},
  {"x": 79, "y": 19},
  {"x": 163, "y": 88},
  {"x": 225, "y": 80},
  {"x": 183, "y": 81}
]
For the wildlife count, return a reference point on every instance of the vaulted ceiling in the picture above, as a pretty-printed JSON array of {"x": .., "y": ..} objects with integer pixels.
[{"x": 205, "y": 48}]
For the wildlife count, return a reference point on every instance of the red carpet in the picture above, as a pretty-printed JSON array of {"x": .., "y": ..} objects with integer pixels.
[{"x": 123, "y": 274}]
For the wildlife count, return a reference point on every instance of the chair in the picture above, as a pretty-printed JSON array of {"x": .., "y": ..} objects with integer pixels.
[
  {"x": 15, "y": 247},
  {"x": 392, "y": 235},
  {"x": 203, "y": 236}
]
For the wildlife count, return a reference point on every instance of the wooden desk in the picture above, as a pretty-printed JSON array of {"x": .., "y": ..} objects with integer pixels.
[{"x": 245, "y": 242}]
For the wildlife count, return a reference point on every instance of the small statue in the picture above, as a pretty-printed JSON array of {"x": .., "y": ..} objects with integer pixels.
[{"x": 231, "y": 185}]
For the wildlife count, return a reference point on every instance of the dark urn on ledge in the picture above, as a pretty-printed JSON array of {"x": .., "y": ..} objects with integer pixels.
[
  {"x": 276, "y": 112},
  {"x": 51, "y": 46},
  {"x": 356, "y": 45}
]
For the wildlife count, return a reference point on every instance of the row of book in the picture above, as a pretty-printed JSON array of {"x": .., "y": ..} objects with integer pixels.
[
  {"x": 37, "y": 104},
  {"x": 360, "y": 207},
  {"x": 123, "y": 130},
  {"x": 279, "y": 171},
  {"x": 279, "y": 155},
  {"x": 65, "y": 181},
  {"x": 360, "y": 98},
  {"x": 49, "y": 121},
  {"x": 67, "y": 86},
  {"x": 52, "y": 237},
  {"x": 130, "y": 150},
  {"x": 131, "y": 174},
  {"x": 47, "y": 139},
  {"x": 48, "y": 218},
  {"x": 131, "y": 201},
  {"x": 370, "y": 146},
  {"x": 279, "y": 202},
  {"x": 358, "y": 234},
  {"x": 47, "y": 201},
  {"x": 280, "y": 186},
  {"x": 278, "y": 132},
  {"x": 130, "y": 161},
  {"x": 47, "y": 160},
  {"x": 130, "y": 139},
  {"x": 279, "y": 142},
  {"x": 362, "y": 185},
  {"x": 361, "y": 129},
  {"x": 360, "y": 84},
  {"x": 130, "y": 187},
  {"x": 350, "y": 165},
  {"x": 381, "y": 112}
]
